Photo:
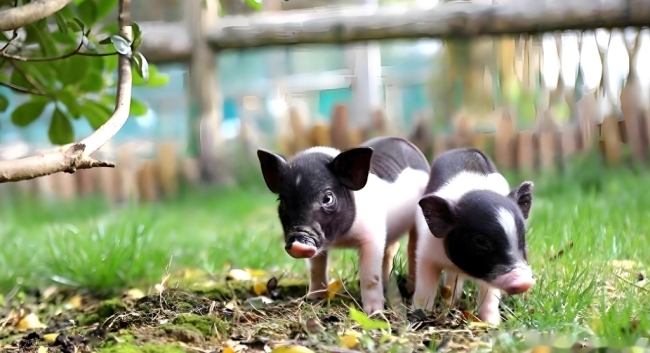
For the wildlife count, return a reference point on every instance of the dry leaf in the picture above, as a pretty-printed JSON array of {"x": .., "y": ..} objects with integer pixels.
[
  {"x": 238, "y": 275},
  {"x": 29, "y": 322},
  {"x": 470, "y": 317},
  {"x": 333, "y": 288},
  {"x": 314, "y": 326},
  {"x": 49, "y": 291},
  {"x": 231, "y": 305},
  {"x": 445, "y": 292},
  {"x": 42, "y": 349},
  {"x": 134, "y": 293},
  {"x": 291, "y": 349},
  {"x": 75, "y": 302},
  {"x": 350, "y": 340},
  {"x": 255, "y": 273},
  {"x": 541, "y": 349},
  {"x": 259, "y": 288},
  {"x": 50, "y": 337}
]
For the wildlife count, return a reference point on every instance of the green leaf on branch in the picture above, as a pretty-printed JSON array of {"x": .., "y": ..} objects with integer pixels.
[
  {"x": 107, "y": 40},
  {"x": 104, "y": 7},
  {"x": 60, "y": 131},
  {"x": 88, "y": 44},
  {"x": 29, "y": 111},
  {"x": 87, "y": 12},
  {"x": 35, "y": 35},
  {"x": 92, "y": 83},
  {"x": 80, "y": 24},
  {"x": 4, "y": 103},
  {"x": 253, "y": 4},
  {"x": 121, "y": 45},
  {"x": 75, "y": 69},
  {"x": 137, "y": 108},
  {"x": 96, "y": 113},
  {"x": 67, "y": 97},
  {"x": 137, "y": 35},
  {"x": 60, "y": 22},
  {"x": 142, "y": 66}
]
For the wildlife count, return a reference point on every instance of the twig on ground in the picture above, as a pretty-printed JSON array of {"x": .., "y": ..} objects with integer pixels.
[{"x": 76, "y": 156}]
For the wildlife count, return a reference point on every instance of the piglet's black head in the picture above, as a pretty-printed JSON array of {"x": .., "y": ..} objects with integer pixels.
[
  {"x": 315, "y": 193},
  {"x": 485, "y": 234}
]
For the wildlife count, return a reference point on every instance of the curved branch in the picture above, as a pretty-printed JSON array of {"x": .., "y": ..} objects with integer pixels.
[
  {"x": 17, "y": 17},
  {"x": 75, "y": 156}
]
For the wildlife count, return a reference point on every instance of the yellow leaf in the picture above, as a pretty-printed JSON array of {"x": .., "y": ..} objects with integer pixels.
[
  {"x": 445, "y": 292},
  {"x": 349, "y": 340},
  {"x": 291, "y": 349},
  {"x": 75, "y": 302},
  {"x": 255, "y": 273},
  {"x": 239, "y": 275},
  {"x": 30, "y": 321},
  {"x": 259, "y": 288},
  {"x": 134, "y": 293},
  {"x": 50, "y": 337},
  {"x": 333, "y": 288},
  {"x": 542, "y": 349},
  {"x": 42, "y": 349},
  {"x": 228, "y": 350}
]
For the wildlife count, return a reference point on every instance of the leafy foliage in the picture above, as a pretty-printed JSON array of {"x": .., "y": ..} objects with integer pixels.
[{"x": 70, "y": 59}]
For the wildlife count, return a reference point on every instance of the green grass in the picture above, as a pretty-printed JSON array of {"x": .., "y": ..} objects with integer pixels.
[{"x": 605, "y": 213}]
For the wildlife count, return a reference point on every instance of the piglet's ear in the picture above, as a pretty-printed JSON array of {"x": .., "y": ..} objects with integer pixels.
[
  {"x": 439, "y": 214},
  {"x": 352, "y": 167},
  {"x": 272, "y": 167},
  {"x": 523, "y": 196}
]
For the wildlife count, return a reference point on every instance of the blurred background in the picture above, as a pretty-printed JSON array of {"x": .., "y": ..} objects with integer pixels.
[{"x": 568, "y": 110}]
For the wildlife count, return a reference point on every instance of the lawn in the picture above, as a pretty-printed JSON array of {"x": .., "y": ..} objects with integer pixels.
[{"x": 589, "y": 245}]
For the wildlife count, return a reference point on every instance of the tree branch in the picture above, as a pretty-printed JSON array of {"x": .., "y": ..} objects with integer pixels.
[
  {"x": 76, "y": 156},
  {"x": 52, "y": 58},
  {"x": 21, "y": 89},
  {"x": 36, "y": 10}
]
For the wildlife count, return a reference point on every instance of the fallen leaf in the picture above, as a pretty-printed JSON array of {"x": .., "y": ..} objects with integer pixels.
[
  {"x": 349, "y": 340},
  {"x": 134, "y": 293},
  {"x": 238, "y": 275},
  {"x": 366, "y": 322},
  {"x": 541, "y": 349},
  {"x": 470, "y": 317},
  {"x": 231, "y": 305},
  {"x": 49, "y": 291},
  {"x": 255, "y": 273},
  {"x": 50, "y": 337},
  {"x": 228, "y": 350},
  {"x": 291, "y": 349},
  {"x": 272, "y": 284},
  {"x": 75, "y": 302},
  {"x": 259, "y": 288},
  {"x": 42, "y": 349},
  {"x": 314, "y": 326},
  {"x": 29, "y": 322},
  {"x": 333, "y": 288},
  {"x": 445, "y": 292}
]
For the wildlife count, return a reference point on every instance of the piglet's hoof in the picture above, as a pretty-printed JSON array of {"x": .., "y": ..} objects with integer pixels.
[{"x": 317, "y": 295}]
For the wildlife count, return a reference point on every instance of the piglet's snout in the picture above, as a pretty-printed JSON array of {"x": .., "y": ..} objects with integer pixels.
[
  {"x": 300, "y": 247},
  {"x": 517, "y": 281}
]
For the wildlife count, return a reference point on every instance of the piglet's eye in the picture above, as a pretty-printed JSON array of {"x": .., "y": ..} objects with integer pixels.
[{"x": 328, "y": 199}]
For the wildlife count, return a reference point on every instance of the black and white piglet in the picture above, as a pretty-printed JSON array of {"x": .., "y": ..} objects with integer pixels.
[
  {"x": 479, "y": 232},
  {"x": 364, "y": 198}
]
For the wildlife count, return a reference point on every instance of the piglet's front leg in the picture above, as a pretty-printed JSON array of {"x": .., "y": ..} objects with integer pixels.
[
  {"x": 318, "y": 277},
  {"x": 371, "y": 255}
]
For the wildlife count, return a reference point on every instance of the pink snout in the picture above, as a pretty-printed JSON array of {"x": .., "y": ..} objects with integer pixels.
[
  {"x": 301, "y": 251},
  {"x": 517, "y": 281}
]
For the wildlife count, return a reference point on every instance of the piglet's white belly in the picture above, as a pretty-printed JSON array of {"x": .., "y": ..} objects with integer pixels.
[{"x": 393, "y": 204}]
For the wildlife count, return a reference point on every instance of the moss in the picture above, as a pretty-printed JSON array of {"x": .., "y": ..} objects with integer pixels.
[
  {"x": 184, "y": 306},
  {"x": 109, "y": 307},
  {"x": 187, "y": 334},
  {"x": 85, "y": 320},
  {"x": 203, "y": 324},
  {"x": 225, "y": 291},
  {"x": 147, "y": 348}
]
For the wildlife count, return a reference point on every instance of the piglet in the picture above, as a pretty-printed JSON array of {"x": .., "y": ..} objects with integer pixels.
[
  {"x": 471, "y": 225},
  {"x": 364, "y": 198}
]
